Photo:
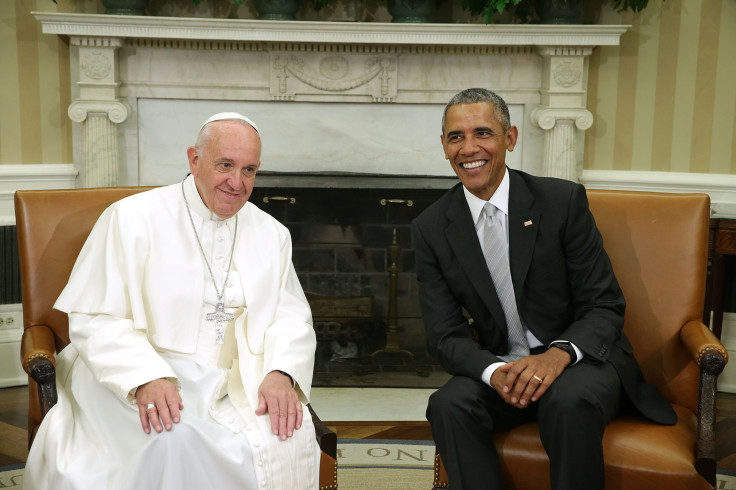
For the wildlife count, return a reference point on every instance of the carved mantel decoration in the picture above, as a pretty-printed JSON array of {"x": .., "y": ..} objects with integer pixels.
[{"x": 126, "y": 68}]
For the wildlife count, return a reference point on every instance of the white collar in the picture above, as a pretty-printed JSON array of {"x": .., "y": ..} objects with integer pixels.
[{"x": 500, "y": 199}]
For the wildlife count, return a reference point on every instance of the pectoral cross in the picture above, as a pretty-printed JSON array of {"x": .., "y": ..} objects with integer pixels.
[{"x": 219, "y": 316}]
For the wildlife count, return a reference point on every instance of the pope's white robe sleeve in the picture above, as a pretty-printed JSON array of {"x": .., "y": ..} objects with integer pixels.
[
  {"x": 290, "y": 340},
  {"x": 108, "y": 332},
  {"x": 120, "y": 356}
]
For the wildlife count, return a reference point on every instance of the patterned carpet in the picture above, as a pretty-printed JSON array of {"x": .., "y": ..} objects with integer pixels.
[
  {"x": 405, "y": 465},
  {"x": 383, "y": 464}
]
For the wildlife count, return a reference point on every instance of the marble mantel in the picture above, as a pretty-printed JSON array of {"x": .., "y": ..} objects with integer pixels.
[{"x": 330, "y": 97}]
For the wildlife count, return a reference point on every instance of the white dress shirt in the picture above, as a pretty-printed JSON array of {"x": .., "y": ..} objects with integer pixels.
[{"x": 500, "y": 199}]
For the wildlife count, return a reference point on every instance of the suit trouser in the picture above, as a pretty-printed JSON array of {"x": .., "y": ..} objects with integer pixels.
[{"x": 572, "y": 415}]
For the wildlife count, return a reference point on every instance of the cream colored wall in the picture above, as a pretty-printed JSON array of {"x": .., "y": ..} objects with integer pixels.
[
  {"x": 664, "y": 100},
  {"x": 34, "y": 85}
]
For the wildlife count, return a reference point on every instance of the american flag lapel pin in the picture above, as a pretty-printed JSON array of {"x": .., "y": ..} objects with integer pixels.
[{"x": 528, "y": 222}]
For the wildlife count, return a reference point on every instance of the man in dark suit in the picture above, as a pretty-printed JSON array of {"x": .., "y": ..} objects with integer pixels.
[{"x": 531, "y": 330}]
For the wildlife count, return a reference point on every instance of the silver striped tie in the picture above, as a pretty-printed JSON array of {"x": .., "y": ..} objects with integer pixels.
[{"x": 495, "y": 250}]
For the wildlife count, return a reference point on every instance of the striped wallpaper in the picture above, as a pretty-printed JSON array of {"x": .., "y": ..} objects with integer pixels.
[{"x": 664, "y": 100}]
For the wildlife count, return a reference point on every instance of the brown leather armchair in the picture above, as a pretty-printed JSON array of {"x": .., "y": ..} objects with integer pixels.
[
  {"x": 52, "y": 227},
  {"x": 658, "y": 246}
]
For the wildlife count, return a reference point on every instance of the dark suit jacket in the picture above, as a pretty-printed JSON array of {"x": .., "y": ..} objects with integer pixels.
[{"x": 564, "y": 284}]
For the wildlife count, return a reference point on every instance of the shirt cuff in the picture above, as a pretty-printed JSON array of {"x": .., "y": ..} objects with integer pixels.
[
  {"x": 485, "y": 376},
  {"x": 578, "y": 352}
]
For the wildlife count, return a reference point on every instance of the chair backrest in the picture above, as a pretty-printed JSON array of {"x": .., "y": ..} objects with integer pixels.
[
  {"x": 658, "y": 244},
  {"x": 52, "y": 227}
]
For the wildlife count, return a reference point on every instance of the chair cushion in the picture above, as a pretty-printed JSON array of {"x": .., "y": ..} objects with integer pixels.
[{"x": 638, "y": 455}]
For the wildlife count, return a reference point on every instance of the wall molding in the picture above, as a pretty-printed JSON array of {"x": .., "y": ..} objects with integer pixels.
[
  {"x": 720, "y": 187},
  {"x": 105, "y": 27},
  {"x": 397, "y": 77},
  {"x": 14, "y": 177}
]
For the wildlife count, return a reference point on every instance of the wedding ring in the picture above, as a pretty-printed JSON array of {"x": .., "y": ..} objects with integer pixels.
[
  {"x": 537, "y": 378},
  {"x": 150, "y": 406}
]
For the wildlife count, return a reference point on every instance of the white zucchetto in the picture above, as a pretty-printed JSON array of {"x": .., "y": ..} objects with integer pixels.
[{"x": 224, "y": 116}]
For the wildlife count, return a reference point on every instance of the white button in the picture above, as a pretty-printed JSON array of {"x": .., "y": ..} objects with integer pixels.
[
  {"x": 219, "y": 257},
  {"x": 257, "y": 444},
  {"x": 230, "y": 420},
  {"x": 260, "y": 463},
  {"x": 263, "y": 483},
  {"x": 229, "y": 284},
  {"x": 219, "y": 238}
]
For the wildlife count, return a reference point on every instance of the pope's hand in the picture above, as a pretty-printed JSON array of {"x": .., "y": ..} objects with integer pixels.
[
  {"x": 278, "y": 398},
  {"x": 166, "y": 401}
]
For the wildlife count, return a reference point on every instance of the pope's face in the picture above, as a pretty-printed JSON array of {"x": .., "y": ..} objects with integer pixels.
[
  {"x": 225, "y": 170},
  {"x": 475, "y": 144}
]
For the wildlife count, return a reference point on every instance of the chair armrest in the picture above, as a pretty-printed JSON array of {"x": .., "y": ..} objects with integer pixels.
[
  {"x": 326, "y": 439},
  {"x": 38, "y": 342},
  {"x": 37, "y": 356},
  {"x": 700, "y": 342},
  {"x": 710, "y": 355}
]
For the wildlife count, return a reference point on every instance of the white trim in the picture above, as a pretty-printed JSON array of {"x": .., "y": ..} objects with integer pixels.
[
  {"x": 11, "y": 335},
  {"x": 14, "y": 177},
  {"x": 124, "y": 26},
  {"x": 11, "y": 371},
  {"x": 720, "y": 187},
  {"x": 36, "y": 172},
  {"x": 727, "y": 379}
]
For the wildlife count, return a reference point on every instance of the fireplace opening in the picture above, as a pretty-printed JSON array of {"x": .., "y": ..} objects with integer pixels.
[{"x": 353, "y": 253}]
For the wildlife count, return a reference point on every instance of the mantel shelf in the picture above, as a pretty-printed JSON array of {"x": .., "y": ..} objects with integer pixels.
[{"x": 375, "y": 33}]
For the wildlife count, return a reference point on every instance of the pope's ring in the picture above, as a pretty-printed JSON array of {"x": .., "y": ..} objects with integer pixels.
[
  {"x": 537, "y": 378},
  {"x": 151, "y": 406}
]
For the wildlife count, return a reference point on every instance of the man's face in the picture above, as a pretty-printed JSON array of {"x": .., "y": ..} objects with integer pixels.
[
  {"x": 226, "y": 168},
  {"x": 476, "y": 144}
]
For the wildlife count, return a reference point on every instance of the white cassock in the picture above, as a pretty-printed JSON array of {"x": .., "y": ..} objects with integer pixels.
[{"x": 137, "y": 299}]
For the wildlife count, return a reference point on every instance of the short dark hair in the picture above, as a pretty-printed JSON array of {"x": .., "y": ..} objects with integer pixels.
[{"x": 475, "y": 95}]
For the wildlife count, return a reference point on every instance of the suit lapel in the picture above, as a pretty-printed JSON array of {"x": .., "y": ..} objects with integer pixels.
[
  {"x": 463, "y": 240},
  {"x": 523, "y": 227}
]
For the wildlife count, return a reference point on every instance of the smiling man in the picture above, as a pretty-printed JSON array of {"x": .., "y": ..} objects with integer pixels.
[
  {"x": 521, "y": 306},
  {"x": 192, "y": 345}
]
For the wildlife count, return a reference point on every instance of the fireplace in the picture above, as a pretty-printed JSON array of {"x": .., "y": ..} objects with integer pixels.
[
  {"x": 350, "y": 118},
  {"x": 343, "y": 242},
  {"x": 330, "y": 96}
]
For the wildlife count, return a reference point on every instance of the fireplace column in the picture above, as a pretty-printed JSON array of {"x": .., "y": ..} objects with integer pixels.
[
  {"x": 99, "y": 109},
  {"x": 562, "y": 111}
]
